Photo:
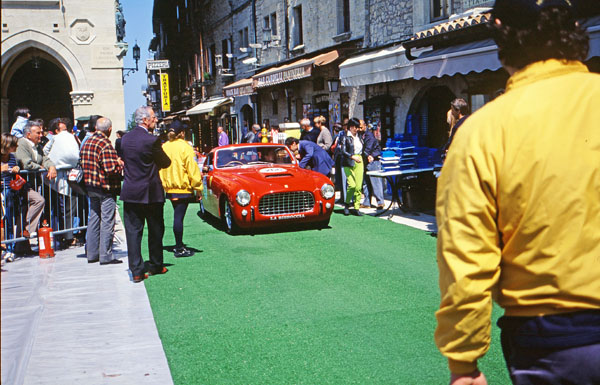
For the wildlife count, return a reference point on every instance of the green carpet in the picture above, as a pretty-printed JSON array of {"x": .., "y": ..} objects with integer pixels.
[{"x": 352, "y": 304}]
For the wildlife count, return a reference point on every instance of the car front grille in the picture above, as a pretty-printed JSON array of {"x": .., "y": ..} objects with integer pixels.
[{"x": 286, "y": 203}]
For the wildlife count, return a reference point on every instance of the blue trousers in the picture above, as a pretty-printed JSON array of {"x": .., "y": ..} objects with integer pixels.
[{"x": 552, "y": 350}]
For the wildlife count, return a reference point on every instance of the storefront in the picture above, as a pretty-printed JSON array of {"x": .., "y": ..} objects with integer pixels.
[
  {"x": 304, "y": 88},
  {"x": 206, "y": 117},
  {"x": 243, "y": 108}
]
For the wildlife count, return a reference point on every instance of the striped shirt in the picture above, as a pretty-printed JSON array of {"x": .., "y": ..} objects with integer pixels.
[{"x": 100, "y": 163}]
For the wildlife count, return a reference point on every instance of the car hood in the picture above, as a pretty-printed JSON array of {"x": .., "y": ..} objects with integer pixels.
[{"x": 265, "y": 178}]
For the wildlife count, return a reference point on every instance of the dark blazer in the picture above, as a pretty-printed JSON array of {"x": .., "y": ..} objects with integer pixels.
[
  {"x": 314, "y": 155},
  {"x": 311, "y": 135},
  {"x": 143, "y": 156},
  {"x": 371, "y": 145}
]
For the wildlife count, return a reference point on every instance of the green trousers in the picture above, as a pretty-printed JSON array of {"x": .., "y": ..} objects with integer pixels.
[{"x": 354, "y": 182}]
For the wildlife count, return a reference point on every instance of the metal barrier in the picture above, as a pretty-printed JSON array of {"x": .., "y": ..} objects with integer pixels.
[{"x": 64, "y": 210}]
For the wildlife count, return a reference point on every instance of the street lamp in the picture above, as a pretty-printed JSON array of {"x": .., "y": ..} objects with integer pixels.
[{"x": 136, "y": 57}]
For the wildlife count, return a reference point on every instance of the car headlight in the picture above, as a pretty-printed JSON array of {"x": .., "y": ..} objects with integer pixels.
[
  {"x": 327, "y": 191},
  {"x": 243, "y": 198}
]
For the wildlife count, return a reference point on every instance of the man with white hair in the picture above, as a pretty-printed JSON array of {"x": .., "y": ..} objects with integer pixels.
[
  {"x": 102, "y": 176},
  {"x": 308, "y": 132},
  {"x": 143, "y": 194}
]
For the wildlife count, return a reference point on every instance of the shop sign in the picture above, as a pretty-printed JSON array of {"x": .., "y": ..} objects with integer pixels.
[
  {"x": 164, "y": 92},
  {"x": 238, "y": 91},
  {"x": 156, "y": 65},
  {"x": 283, "y": 76},
  {"x": 467, "y": 4}
]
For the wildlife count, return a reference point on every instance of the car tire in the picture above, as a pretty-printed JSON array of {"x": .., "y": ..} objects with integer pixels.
[
  {"x": 228, "y": 219},
  {"x": 323, "y": 224}
]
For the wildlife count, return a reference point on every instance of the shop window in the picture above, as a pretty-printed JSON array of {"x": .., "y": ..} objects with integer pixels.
[{"x": 440, "y": 9}]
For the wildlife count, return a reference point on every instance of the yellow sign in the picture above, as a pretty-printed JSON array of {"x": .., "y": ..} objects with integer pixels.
[{"x": 164, "y": 92}]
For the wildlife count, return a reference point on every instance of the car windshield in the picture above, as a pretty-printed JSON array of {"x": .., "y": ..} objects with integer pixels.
[{"x": 240, "y": 156}]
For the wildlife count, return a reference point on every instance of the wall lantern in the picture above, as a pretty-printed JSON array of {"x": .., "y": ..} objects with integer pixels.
[{"x": 333, "y": 85}]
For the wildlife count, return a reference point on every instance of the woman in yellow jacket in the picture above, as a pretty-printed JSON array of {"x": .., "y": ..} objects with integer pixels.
[{"x": 180, "y": 180}]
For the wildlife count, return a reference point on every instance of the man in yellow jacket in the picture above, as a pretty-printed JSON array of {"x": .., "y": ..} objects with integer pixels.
[
  {"x": 180, "y": 180},
  {"x": 518, "y": 209}
]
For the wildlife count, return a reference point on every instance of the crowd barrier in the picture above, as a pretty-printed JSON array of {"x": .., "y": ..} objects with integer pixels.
[{"x": 65, "y": 211}]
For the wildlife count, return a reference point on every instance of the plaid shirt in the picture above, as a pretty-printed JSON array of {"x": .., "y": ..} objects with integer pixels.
[{"x": 100, "y": 164}]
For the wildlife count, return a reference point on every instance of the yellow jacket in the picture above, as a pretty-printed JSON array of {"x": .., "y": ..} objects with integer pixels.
[
  {"x": 183, "y": 175},
  {"x": 518, "y": 208}
]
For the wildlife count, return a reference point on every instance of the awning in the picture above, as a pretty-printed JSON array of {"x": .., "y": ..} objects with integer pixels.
[
  {"x": 386, "y": 65},
  {"x": 239, "y": 88},
  {"x": 475, "y": 56},
  {"x": 208, "y": 106},
  {"x": 294, "y": 71}
]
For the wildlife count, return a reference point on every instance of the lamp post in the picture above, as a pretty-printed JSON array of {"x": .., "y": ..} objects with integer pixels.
[{"x": 136, "y": 57}]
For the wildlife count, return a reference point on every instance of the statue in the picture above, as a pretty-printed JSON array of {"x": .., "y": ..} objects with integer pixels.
[{"x": 119, "y": 21}]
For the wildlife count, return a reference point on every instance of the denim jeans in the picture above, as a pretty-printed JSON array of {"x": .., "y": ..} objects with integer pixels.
[{"x": 373, "y": 186}]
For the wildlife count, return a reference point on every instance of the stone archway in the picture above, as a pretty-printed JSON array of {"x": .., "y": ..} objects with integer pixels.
[{"x": 58, "y": 53}]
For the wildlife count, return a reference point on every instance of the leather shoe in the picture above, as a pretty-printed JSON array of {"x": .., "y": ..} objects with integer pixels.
[
  {"x": 346, "y": 211},
  {"x": 93, "y": 260},
  {"x": 356, "y": 212},
  {"x": 183, "y": 252},
  {"x": 162, "y": 271},
  {"x": 380, "y": 207},
  {"x": 365, "y": 206},
  {"x": 111, "y": 262},
  {"x": 139, "y": 278}
]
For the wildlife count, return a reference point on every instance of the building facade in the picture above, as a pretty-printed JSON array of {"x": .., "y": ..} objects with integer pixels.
[
  {"x": 395, "y": 63},
  {"x": 63, "y": 58}
]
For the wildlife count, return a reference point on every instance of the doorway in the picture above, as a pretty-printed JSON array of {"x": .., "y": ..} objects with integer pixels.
[{"x": 43, "y": 87}]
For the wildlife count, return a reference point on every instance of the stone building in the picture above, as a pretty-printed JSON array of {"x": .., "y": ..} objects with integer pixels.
[
  {"x": 63, "y": 58},
  {"x": 394, "y": 63}
]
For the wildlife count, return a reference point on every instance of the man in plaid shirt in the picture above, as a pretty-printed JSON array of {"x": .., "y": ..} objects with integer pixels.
[{"x": 102, "y": 170}]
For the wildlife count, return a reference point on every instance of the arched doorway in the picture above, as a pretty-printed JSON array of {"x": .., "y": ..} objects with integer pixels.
[
  {"x": 41, "y": 85},
  {"x": 426, "y": 120},
  {"x": 247, "y": 118}
]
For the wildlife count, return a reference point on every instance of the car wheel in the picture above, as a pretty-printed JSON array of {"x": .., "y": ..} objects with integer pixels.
[
  {"x": 229, "y": 219},
  {"x": 323, "y": 224}
]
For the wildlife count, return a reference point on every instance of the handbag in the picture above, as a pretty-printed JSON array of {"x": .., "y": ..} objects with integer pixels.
[
  {"x": 17, "y": 183},
  {"x": 75, "y": 180}
]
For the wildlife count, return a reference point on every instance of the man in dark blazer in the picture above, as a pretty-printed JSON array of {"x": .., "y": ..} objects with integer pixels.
[
  {"x": 143, "y": 194},
  {"x": 311, "y": 154}
]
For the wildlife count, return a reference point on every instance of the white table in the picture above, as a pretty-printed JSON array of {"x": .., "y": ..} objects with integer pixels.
[{"x": 396, "y": 178}]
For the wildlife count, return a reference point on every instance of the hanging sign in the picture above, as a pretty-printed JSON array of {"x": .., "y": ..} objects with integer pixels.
[{"x": 164, "y": 92}]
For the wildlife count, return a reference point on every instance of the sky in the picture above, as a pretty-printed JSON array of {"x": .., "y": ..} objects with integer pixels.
[{"x": 138, "y": 18}]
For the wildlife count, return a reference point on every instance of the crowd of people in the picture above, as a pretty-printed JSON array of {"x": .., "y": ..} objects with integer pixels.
[
  {"x": 129, "y": 169},
  {"x": 350, "y": 152}
]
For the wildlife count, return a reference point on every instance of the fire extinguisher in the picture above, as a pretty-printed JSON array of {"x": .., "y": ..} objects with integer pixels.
[{"x": 45, "y": 241}]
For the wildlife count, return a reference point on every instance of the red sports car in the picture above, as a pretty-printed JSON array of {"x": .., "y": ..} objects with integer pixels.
[{"x": 255, "y": 185}]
